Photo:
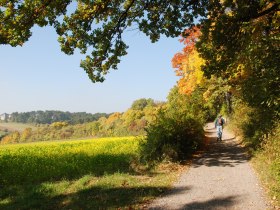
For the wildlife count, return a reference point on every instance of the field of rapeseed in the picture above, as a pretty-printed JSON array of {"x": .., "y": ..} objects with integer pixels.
[{"x": 53, "y": 161}]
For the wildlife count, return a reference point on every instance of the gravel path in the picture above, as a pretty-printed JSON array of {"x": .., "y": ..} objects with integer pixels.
[{"x": 220, "y": 178}]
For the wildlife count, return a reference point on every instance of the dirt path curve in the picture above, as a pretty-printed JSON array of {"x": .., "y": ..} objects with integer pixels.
[{"x": 220, "y": 178}]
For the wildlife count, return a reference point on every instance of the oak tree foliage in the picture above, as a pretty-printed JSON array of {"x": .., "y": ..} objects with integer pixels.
[{"x": 95, "y": 27}]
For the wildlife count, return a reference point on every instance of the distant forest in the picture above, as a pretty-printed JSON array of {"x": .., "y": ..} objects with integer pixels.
[
  {"x": 48, "y": 117},
  {"x": 132, "y": 122}
]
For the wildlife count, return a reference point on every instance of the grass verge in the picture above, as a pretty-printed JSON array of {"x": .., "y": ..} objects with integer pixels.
[
  {"x": 112, "y": 191},
  {"x": 267, "y": 163}
]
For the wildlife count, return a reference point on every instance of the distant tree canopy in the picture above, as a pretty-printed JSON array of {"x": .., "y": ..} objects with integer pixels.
[
  {"x": 228, "y": 27},
  {"x": 48, "y": 117},
  {"x": 140, "y": 104}
]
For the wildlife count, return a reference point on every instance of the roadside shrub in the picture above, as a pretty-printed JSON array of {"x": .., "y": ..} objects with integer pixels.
[
  {"x": 252, "y": 124},
  {"x": 239, "y": 118},
  {"x": 171, "y": 137}
]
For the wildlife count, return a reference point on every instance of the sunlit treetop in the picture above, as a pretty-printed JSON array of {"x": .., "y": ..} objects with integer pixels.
[
  {"x": 188, "y": 62},
  {"x": 232, "y": 30},
  {"x": 240, "y": 43}
]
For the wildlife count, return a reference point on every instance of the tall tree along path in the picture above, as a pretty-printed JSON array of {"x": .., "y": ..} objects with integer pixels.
[{"x": 219, "y": 178}]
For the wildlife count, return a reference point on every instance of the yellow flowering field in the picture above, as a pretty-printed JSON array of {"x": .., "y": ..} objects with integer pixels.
[{"x": 51, "y": 161}]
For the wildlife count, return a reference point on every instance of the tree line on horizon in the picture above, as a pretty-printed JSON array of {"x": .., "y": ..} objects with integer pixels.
[
  {"x": 131, "y": 122},
  {"x": 50, "y": 116}
]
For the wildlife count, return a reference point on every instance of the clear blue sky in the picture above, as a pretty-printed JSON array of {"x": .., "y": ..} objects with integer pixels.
[{"x": 38, "y": 76}]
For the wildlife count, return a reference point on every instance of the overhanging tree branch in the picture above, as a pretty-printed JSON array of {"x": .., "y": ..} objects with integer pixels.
[{"x": 273, "y": 8}]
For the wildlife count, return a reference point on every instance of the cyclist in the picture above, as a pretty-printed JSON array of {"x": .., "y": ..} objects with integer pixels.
[{"x": 219, "y": 122}]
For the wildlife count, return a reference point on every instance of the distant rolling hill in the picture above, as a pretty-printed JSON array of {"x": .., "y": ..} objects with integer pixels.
[{"x": 11, "y": 126}]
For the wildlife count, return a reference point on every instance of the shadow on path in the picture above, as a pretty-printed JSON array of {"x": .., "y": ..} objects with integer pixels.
[
  {"x": 215, "y": 203},
  {"x": 227, "y": 153},
  {"x": 212, "y": 204}
]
